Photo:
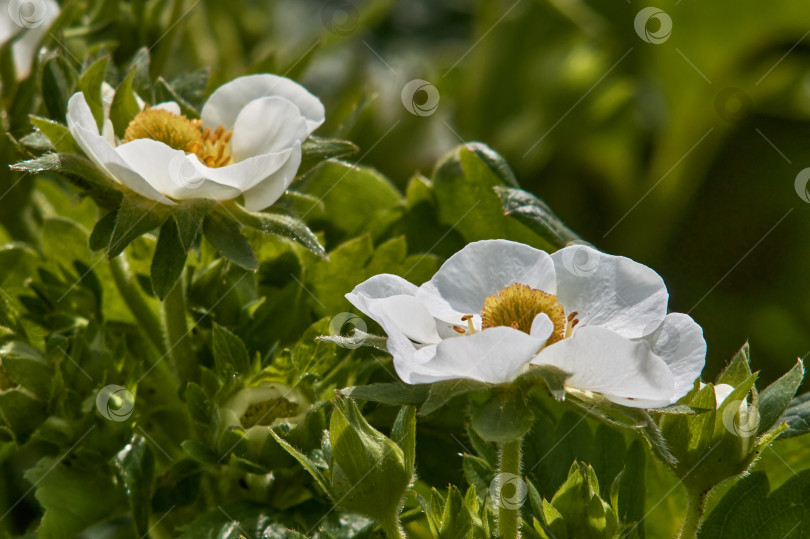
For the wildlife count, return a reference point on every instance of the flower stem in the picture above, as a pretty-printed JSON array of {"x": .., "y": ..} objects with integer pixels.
[
  {"x": 508, "y": 515},
  {"x": 392, "y": 529},
  {"x": 128, "y": 288},
  {"x": 694, "y": 514},
  {"x": 179, "y": 346}
]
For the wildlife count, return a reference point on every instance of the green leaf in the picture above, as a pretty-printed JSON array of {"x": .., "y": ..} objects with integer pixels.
[
  {"x": 282, "y": 225},
  {"x": 404, "y": 435},
  {"x": 535, "y": 214},
  {"x": 60, "y": 137},
  {"x": 102, "y": 232},
  {"x": 505, "y": 417},
  {"x": 135, "y": 216},
  {"x": 199, "y": 406},
  {"x": 316, "y": 150},
  {"x": 199, "y": 452},
  {"x": 797, "y": 417},
  {"x": 124, "y": 106},
  {"x": 496, "y": 163},
  {"x": 224, "y": 235},
  {"x": 230, "y": 354},
  {"x": 305, "y": 461},
  {"x": 58, "y": 83},
  {"x": 90, "y": 84},
  {"x": 394, "y": 394},
  {"x": 189, "y": 215},
  {"x": 551, "y": 377},
  {"x": 775, "y": 398},
  {"x": 169, "y": 259},
  {"x": 633, "y": 487},
  {"x": 73, "y": 499},
  {"x": 441, "y": 392},
  {"x": 26, "y": 366},
  {"x": 749, "y": 510},
  {"x": 21, "y": 411},
  {"x": 135, "y": 468},
  {"x": 165, "y": 92}
]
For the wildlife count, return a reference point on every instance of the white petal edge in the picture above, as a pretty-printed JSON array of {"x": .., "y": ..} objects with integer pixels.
[
  {"x": 227, "y": 101},
  {"x": 602, "y": 361},
  {"x": 610, "y": 291},
  {"x": 679, "y": 342},
  {"x": 82, "y": 126},
  {"x": 479, "y": 270},
  {"x": 270, "y": 189}
]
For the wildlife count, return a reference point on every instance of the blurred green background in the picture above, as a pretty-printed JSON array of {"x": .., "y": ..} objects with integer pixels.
[{"x": 678, "y": 149}]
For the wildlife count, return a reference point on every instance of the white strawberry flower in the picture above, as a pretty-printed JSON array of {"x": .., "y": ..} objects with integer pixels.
[
  {"x": 497, "y": 307},
  {"x": 246, "y": 143},
  {"x": 26, "y": 21}
]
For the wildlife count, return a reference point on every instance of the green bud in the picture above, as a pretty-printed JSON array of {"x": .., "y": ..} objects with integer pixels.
[
  {"x": 577, "y": 510},
  {"x": 369, "y": 472},
  {"x": 733, "y": 425}
]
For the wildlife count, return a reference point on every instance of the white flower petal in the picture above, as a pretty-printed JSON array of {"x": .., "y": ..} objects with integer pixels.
[
  {"x": 679, "y": 342},
  {"x": 248, "y": 173},
  {"x": 495, "y": 355},
  {"x": 82, "y": 126},
  {"x": 602, "y": 361},
  {"x": 479, "y": 270},
  {"x": 408, "y": 315},
  {"x": 267, "y": 125},
  {"x": 171, "y": 171},
  {"x": 721, "y": 392},
  {"x": 34, "y": 26},
  {"x": 270, "y": 189},
  {"x": 383, "y": 285},
  {"x": 542, "y": 327},
  {"x": 610, "y": 291},
  {"x": 227, "y": 101},
  {"x": 170, "y": 106}
]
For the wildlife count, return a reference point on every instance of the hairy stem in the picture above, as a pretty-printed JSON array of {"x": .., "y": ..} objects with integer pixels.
[
  {"x": 694, "y": 514},
  {"x": 179, "y": 346},
  {"x": 508, "y": 515},
  {"x": 392, "y": 529}
]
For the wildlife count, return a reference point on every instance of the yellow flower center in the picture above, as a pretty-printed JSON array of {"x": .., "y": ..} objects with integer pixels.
[
  {"x": 517, "y": 306},
  {"x": 264, "y": 413},
  {"x": 181, "y": 133}
]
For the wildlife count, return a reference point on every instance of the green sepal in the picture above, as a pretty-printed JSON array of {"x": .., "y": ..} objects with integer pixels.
[
  {"x": 189, "y": 215},
  {"x": 59, "y": 136},
  {"x": 282, "y": 225},
  {"x": 504, "y": 417},
  {"x": 315, "y": 150},
  {"x": 90, "y": 85},
  {"x": 136, "y": 216},
  {"x": 58, "y": 84},
  {"x": 124, "y": 106},
  {"x": 169, "y": 259},
  {"x": 775, "y": 398},
  {"x": 225, "y": 235},
  {"x": 230, "y": 354}
]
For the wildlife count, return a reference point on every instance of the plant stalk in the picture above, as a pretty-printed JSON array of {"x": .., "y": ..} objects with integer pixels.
[
  {"x": 508, "y": 514},
  {"x": 177, "y": 342},
  {"x": 694, "y": 514},
  {"x": 130, "y": 292}
]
